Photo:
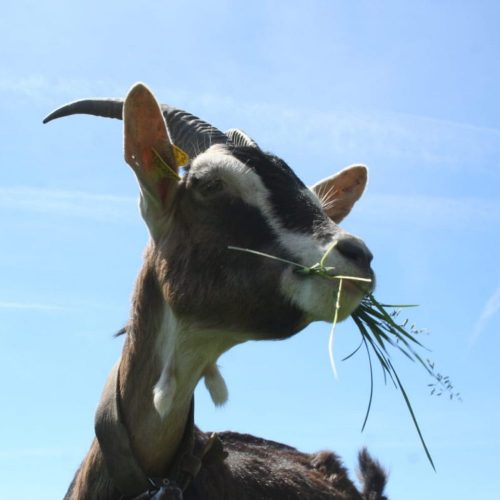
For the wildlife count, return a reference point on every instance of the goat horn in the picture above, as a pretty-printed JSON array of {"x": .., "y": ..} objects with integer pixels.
[
  {"x": 239, "y": 138},
  {"x": 187, "y": 131}
]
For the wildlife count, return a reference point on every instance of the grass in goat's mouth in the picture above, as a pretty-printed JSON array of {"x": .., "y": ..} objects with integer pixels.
[{"x": 380, "y": 330}]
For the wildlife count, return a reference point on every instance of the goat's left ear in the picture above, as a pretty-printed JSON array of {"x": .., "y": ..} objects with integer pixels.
[
  {"x": 149, "y": 151},
  {"x": 340, "y": 192}
]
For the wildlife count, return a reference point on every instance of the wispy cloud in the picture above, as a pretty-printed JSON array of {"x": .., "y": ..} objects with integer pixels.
[
  {"x": 58, "y": 90},
  {"x": 30, "y": 306},
  {"x": 69, "y": 203},
  {"x": 491, "y": 307},
  {"x": 411, "y": 139},
  {"x": 419, "y": 140},
  {"x": 16, "y": 453},
  {"x": 38, "y": 87},
  {"x": 431, "y": 210}
]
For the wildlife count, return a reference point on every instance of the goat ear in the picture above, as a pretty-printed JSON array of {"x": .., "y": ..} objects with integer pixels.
[
  {"x": 149, "y": 151},
  {"x": 340, "y": 192}
]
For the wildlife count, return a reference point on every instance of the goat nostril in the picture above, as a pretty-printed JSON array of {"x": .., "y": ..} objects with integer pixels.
[{"x": 355, "y": 250}]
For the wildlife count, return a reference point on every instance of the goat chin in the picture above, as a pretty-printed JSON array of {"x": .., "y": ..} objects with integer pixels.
[{"x": 318, "y": 297}]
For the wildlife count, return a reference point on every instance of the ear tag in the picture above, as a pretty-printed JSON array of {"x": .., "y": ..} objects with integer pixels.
[
  {"x": 163, "y": 168},
  {"x": 181, "y": 157}
]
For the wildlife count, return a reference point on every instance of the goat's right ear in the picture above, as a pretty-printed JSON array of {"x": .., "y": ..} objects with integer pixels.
[
  {"x": 341, "y": 191},
  {"x": 149, "y": 151}
]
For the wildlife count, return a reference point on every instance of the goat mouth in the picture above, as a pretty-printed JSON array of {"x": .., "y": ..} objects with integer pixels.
[
  {"x": 349, "y": 300},
  {"x": 359, "y": 283},
  {"x": 361, "y": 288},
  {"x": 353, "y": 291}
]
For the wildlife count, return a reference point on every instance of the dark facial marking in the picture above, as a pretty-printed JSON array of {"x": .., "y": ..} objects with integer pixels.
[
  {"x": 197, "y": 246},
  {"x": 291, "y": 206}
]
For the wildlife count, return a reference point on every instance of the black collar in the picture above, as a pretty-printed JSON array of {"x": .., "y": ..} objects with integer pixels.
[{"x": 121, "y": 463}]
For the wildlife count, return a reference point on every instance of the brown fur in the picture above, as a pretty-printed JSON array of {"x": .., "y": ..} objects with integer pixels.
[
  {"x": 254, "y": 469},
  {"x": 224, "y": 299},
  {"x": 262, "y": 469}
]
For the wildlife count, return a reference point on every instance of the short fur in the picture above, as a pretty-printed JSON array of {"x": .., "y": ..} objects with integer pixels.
[{"x": 194, "y": 299}]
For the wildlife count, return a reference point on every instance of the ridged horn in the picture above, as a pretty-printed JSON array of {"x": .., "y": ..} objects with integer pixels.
[
  {"x": 240, "y": 138},
  {"x": 187, "y": 131}
]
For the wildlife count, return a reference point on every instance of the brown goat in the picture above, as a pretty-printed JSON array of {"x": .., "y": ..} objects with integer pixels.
[{"x": 195, "y": 298}]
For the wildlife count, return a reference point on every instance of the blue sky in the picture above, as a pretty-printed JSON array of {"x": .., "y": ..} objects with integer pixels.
[{"x": 410, "y": 89}]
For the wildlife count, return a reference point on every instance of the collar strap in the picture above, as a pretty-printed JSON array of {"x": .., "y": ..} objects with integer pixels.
[{"x": 120, "y": 460}]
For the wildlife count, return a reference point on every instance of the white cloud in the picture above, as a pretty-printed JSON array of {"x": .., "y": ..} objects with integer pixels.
[
  {"x": 491, "y": 307},
  {"x": 38, "y": 87},
  {"x": 69, "y": 203},
  {"x": 17, "y": 453},
  {"x": 431, "y": 210},
  {"x": 423, "y": 141},
  {"x": 30, "y": 306}
]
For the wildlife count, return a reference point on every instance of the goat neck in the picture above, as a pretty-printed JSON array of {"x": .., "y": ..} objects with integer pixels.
[{"x": 162, "y": 362}]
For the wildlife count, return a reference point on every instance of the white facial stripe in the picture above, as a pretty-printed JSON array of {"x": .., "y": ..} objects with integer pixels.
[
  {"x": 310, "y": 296},
  {"x": 242, "y": 180},
  {"x": 250, "y": 188}
]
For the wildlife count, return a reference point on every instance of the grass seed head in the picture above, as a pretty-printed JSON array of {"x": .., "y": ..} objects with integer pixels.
[{"x": 381, "y": 335}]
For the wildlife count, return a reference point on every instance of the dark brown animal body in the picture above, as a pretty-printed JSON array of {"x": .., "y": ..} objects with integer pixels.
[
  {"x": 260, "y": 469},
  {"x": 256, "y": 468}
]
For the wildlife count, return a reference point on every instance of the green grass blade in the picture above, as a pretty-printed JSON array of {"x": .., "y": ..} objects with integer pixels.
[
  {"x": 269, "y": 256},
  {"x": 380, "y": 356},
  {"x": 326, "y": 254},
  {"x": 371, "y": 386},
  {"x": 355, "y": 350},
  {"x": 414, "y": 418},
  {"x": 393, "y": 324}
]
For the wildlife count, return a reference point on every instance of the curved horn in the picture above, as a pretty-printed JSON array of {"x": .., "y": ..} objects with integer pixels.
[
  {"x": 239, "y": 138},
  {"x": 190, "y": 133},
  {"x": 187, "y": 131},
  {"x": 107, "y": 108}
]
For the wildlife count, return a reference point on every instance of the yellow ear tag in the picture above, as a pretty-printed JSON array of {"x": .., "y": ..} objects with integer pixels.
[
  {"x": 181, "y": 157},
  {"x": 163, "y": 168}
]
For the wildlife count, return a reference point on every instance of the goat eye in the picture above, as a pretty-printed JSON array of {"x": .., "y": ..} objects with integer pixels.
[{"x": 211, "y": 188}]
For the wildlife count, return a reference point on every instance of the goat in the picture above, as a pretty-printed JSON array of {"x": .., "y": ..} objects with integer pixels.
[{"x": 195, "y": 298}]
